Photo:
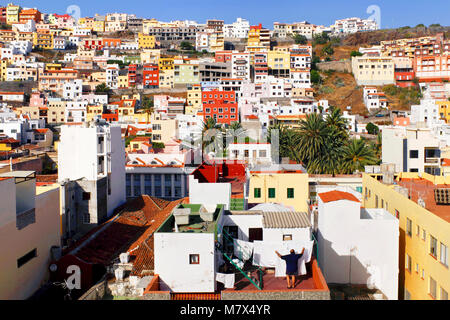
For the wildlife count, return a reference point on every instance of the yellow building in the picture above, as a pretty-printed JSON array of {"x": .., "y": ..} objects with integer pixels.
[
  {"x": 165, "y": 63},
  {"x": 146, "y": 41},
  {"x": 444, "y": 110},
  {"x": 194, "y": 99},
  {"x": 98, "y": 26},
  {"x": 163, "y": 130},
  {"x": 122, "y": 81},
  {"x": 93, "y": 111},
  {"x": 278, "y": 60},
  {"x": 43, "y": 40},
  {"x": 290, "y": 189},
  {"x": 3, "y": 71},
  {"x": 150, "y": 56},
  {"x": 166, "y": 78},
  {"x": 419, "y": 204},
  {"x": 12, "y": 14},
  {"x": 53, "y": 66}
]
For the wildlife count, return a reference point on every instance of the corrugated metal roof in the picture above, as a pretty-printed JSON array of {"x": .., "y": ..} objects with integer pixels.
[{"x": 286, "y": 219}]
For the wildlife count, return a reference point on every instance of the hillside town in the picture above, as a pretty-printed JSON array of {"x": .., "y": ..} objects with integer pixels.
[{"x": 151, "y": 160}]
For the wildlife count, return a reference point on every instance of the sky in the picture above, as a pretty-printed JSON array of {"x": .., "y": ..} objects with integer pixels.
[{"x": 393, "y": 13}]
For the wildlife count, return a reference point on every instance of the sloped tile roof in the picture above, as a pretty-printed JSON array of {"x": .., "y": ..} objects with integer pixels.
[{"x": 286, "y": 219}]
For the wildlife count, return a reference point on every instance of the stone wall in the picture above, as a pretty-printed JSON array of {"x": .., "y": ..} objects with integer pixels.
[
  {"x": 276, "y": 295},
  {"x": 161, "y": 295},
  {"x": 97, "y": 292},
  {"x": 340, "y": 66}
]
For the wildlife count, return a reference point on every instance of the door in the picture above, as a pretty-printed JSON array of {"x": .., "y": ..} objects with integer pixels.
[{"x": 255, "y": 234}]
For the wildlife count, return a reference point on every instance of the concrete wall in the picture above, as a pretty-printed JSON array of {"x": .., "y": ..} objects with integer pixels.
[
  {"x": 172, "y": 250},
  {"x": 339, "y": 66},
  {"x": 21, "y": 283},
  {"x": 218, "y": 193},
  {"x": 355, "y": 250}
]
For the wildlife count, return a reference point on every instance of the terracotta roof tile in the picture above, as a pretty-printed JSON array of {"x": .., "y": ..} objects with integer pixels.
[{"x": 336, "y": 195}]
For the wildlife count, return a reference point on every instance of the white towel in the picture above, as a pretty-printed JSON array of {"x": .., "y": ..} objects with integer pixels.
[
  {"x": 305, "y": 258},
  {"x": 220, "y": 277},
  {"x": 239, "y": 263},
  {"x": 264, "y": 251},
  {"x": 242, "y": 249},
  {"x": 229, "y": 280}
]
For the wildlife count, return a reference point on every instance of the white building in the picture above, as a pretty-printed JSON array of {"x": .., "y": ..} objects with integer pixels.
[
  {"x": 412, "y": 149},
  {"x": 238, "y": 29},
  {"x": 112, "y": 76},
  {"x": 357, "y": 245},
  {"x": 252, "y": 153},
  {"x": 427, "y": 112},
  {"x": 353, "y": 25},
  {"x": 94, "y": 157},
  {"x": 240, "y": 65},
  {"x": 73, "y": 90},
  {"x": 29, "y": 233},
  {"x": 373, "y": 99}
]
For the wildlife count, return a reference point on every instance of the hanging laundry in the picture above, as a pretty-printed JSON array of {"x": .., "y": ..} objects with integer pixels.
[
  {"x": 229, "y": 280},
  {"x": 243, "y": 249},
  {"x": 239, "y": 263},
  {"x": 305, "y": 258}
]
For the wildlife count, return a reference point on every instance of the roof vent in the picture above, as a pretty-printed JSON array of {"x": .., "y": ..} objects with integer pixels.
[
  {"x": 182, "y": 215},
  {"x": 421, "y": 202}
]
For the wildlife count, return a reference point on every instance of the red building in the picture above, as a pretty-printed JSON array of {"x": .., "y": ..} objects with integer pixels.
[
  {"x": 2, "y": 14},
  {"x": 111, "y": 117},
  {"x": 93, "y": 44},
  {"x": 220, "y": 105},
  {"x": 132, "y": 75},
  {"x": 150, "y": 76},
  {"x": 223, "y": 56}
]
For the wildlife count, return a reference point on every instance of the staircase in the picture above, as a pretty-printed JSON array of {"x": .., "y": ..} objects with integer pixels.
[
  {"x": 237, "y": 204},
  {"x": 228, "y": 256}
]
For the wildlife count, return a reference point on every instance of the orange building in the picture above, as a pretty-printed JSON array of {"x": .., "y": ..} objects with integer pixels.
[{"x": 30, "y": 14}]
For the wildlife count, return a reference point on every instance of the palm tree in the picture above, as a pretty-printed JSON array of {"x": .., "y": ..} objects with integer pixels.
[
  {"x": 287, "y": 142},
  {"x": 210, "y": 131},
  {"x": 148, "y": 107},
  {"x": 313, "y": 133},
  {"x": 233, "y": 133},
  {"x": 337, "y": 122},
  {"x": 357, "y": 154}
]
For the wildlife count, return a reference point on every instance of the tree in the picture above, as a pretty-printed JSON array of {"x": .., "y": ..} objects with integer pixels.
[
  {"x": 210, "y": 134},
  {"x": 355, "y": 53},
  {"x": 315, "y": 77},
  {"x": 186, "y": 45},
  {"x": 434, "y": 25},
  {"x": 357, "y": 155},
  {"x": 328, "y": 50},
  {"x": 300, "y": 39},
  {"x": 148, "y": 106},
  {"x": 337, "y": 123},
  {"x": 102, "y": 88},
  {"x": 420, "y": 25},
  {"x": 321, "y": 38},
  {"x": 312, "y": 137},
  {"x": 372, "y": 129}
]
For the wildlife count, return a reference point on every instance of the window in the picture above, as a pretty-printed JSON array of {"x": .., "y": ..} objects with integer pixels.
[
  {"x": 194, "y": 259},
  {"x": 418, "y": 231},
  {"x": 30, "y": 255},
  {"x": 433, "y": 246},
  {"x": 444, "y": 294},
  {"x": 432, "y": 291},
  {"x": 423, "y": 274},
  {"x": 408, "y": 227},
  {"x": 287, "y": 237},
  {"x": 424, "y": 235},
  {"x": 86, "y": 196},
  {"x": 262, "y": 153},
  {"x": 443, "y": 255},
  {"x": 257, "y": 192},
  {"x": 271, "y": 192},
  {"x": 408, "y": 262},
  {"x": 290, "y": 193}
]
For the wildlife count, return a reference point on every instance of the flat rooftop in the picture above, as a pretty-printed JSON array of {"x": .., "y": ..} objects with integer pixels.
[
  {"x": 425, "y": 189},
  {"x": 200, "y": 219}
]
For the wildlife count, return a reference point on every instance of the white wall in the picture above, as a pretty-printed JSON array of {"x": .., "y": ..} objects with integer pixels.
[
  {"x": 217, "y": 193},
  {"x": 358, "y": 251},
  {"x": 172, "y": 252}
]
